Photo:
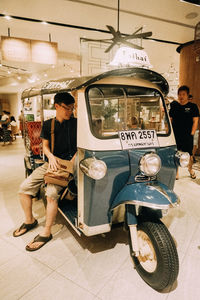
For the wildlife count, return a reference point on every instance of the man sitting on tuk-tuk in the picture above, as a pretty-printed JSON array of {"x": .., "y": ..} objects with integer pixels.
[{"x": 65, "y": 130}]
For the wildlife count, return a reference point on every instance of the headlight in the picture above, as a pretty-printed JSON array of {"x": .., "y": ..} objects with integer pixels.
[
  {"x": 93, "y": 168},
  {"x": 150, "y": 164},
  {"x": 183, "y": 158}
]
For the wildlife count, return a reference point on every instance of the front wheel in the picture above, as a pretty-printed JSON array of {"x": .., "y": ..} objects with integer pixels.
[{"x": 157, "y": 262}]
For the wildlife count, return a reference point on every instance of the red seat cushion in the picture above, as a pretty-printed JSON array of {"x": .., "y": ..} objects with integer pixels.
[{"x": 34, "y": 130}]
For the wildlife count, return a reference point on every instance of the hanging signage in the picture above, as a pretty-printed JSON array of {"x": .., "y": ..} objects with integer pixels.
[
  {"x": 44, "y": 52},
  {"x": 25, "y": 50},
  {"x": 15, "y": 49},
  {"x": 129, "y": 57}
]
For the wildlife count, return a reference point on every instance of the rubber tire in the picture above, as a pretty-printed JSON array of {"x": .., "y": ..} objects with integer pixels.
[{"x": 167, "y": 268}]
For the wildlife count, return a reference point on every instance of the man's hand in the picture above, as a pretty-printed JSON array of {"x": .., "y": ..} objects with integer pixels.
[{"x": 53, "y": 164}]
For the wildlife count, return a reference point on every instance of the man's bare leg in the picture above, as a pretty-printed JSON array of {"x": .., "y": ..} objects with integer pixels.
[
  {"x": 177, "y": 174},
  {"x": 51, "y": 212},
  {"x": 192, "y": 173},
  {"x": 26, "y": 203},
  {"x": 194, "y": 150}
]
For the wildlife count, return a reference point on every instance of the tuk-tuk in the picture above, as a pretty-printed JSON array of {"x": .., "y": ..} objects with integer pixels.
[{"x": 126, "y": 162}]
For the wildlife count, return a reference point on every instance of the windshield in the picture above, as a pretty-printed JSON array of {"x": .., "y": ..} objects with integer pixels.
[{"x": 117, "y": 108}]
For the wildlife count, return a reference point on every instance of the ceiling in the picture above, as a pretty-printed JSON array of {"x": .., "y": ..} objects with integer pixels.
[{"x": 171, "y": 21}]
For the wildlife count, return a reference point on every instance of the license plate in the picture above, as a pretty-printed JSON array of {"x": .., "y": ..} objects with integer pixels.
[{"x": 138, "y": 139}]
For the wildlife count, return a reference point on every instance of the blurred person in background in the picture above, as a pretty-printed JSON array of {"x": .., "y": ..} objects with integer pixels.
[
  {"x": 13, "y": 127},
  {"x": 21, "y": 123},
  {"x": 5, "y": 121},
  {"x": 184, "y": 116}
]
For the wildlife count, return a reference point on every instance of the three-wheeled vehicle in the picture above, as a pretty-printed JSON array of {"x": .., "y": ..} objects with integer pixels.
[{"x": 126, "y": 161}]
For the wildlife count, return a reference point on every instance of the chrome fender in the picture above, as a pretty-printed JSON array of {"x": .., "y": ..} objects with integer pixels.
[{"x": 152, "y": 194}]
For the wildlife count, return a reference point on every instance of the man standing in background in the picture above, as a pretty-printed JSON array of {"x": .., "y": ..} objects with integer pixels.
[{"x": 184, "y": 116}]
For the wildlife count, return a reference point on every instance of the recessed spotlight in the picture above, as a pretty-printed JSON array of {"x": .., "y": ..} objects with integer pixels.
[
  {"x": 44, "y": 23},
  {"x": 45, "y": 75},
  {"x": 19, "y": 77},
  {"x": 14, "y": 83},
  {"x": 31, "y": 80},
  {"x": 7, "y": 17}
]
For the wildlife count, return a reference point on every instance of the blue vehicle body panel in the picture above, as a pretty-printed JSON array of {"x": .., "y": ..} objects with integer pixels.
[
  {"x": 146, "y": 193},
  {"x": 122, "y": 167},
  {"x": 99, "y": 193}
]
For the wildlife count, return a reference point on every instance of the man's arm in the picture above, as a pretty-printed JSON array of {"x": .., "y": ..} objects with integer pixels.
[
  {"x": 195, "y": 125},
  {"x": 73, "y": 158},
  {"x": 52, "y": 159}
]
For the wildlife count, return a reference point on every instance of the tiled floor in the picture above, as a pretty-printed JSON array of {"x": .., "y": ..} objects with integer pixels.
[{"x": 70, "y": 267}]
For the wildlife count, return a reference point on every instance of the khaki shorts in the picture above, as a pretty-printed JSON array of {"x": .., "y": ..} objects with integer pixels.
[{"x": 31, "y": 185}]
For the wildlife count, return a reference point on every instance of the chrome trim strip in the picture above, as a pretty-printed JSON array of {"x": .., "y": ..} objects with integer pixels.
[
  {"x": 144, "y": 178},
  {"x": 66, "y": 218},
  {"x": 161, "y": 191},
  {"x": 150, "y": 205},
  {"x": 93, "y": 230}
]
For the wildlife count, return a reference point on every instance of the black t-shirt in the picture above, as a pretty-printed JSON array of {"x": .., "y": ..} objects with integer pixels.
[
  {"x": 182, "y": 117},
  {"x": 65, "y": 135}
]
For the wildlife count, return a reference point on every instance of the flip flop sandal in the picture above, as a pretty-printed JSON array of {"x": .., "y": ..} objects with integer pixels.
[
  {"x": 25, "y": 226},
  {"x": 40, "y": 239}
]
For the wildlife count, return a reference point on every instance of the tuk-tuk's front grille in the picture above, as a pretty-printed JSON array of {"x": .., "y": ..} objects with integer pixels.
[{"x": 144, "y": 178}]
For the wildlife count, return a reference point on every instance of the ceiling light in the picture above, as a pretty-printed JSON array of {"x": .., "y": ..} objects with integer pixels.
[
  {"x": 45, "y": 75},
  {"x": 31, "y": 79},
  {"x": 19, "y": 77},
  {"x": 7, "y": 17},
  {"x": 44, "y": 23},
  {"x": 14, "y": 83},
  {"x": 9, "y": 72}
]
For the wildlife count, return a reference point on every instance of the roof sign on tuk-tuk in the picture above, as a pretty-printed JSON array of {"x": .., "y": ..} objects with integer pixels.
[
  {"x": 57, "y": 85},
  {"x": 129, "y": 57}
]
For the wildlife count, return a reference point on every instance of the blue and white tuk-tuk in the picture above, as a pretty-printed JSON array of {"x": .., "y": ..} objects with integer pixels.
[{"x": 126, "y": 163}]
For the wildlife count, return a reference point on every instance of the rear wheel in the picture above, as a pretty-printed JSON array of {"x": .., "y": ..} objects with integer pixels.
[{"x": 157, "y": 262}]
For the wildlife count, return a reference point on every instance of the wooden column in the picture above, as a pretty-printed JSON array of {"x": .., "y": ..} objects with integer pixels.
[{"x": 189, "y": 72}]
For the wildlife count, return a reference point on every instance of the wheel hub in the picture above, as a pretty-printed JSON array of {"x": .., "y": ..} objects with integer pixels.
[{"x": 147, "y": 256}]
